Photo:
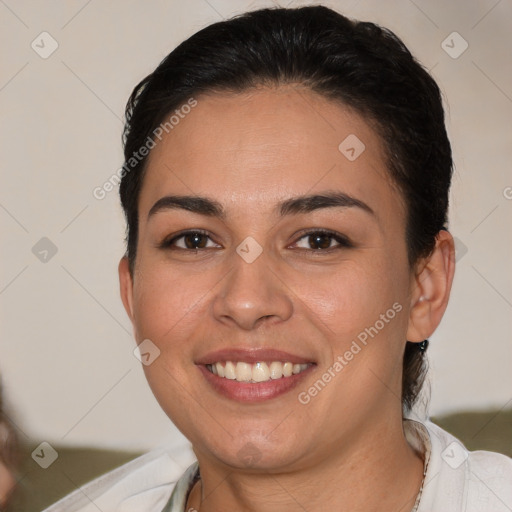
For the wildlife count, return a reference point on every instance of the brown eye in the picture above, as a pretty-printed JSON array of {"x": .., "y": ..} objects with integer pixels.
[
  {"x": 195, "y": 241},
  {"x": 321, "y": 240},
  {"x": 190, "y": 240}
]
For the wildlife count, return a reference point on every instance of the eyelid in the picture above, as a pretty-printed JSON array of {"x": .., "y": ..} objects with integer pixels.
[
  {"x": 342, "y": 240},
  {"x": 170, "y": 240}
]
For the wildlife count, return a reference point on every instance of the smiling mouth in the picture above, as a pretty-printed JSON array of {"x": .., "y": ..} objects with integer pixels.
[{"x": 257, "y": 372}]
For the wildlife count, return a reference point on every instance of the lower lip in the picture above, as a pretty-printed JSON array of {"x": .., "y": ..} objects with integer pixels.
[{"x": 253, "y": 391}]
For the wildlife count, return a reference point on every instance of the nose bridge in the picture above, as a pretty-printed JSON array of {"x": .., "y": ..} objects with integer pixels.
[{"x": 252, "y": 290}]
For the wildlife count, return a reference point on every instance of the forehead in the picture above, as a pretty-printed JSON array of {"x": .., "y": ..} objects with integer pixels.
[{"x": 264, "y": 145}]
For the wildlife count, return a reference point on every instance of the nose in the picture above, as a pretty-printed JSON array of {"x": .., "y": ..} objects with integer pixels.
[{"x": 251, "y": 294}]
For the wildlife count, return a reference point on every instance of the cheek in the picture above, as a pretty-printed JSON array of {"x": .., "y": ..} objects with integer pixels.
[
  {"x": 350, "y": 298},
  {"x": 168, "y": 307},
  {"x": 166, "y": 304}
]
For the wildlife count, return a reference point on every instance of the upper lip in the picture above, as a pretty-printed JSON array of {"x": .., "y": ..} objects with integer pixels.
[{"x": 254, "y": 355}]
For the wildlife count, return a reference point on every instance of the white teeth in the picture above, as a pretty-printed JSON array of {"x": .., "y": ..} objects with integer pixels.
[
  {"x": 243, "y": 372},
  {"x": 258, "y": 372},
  {"x": 220, "y": 369},
  {"x": 276, "y": 370},
  {"x": 297, "y": 368},
  {"x": 229, "y": 371}
]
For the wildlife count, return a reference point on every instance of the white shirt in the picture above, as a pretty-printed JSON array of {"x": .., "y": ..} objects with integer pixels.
[{"x": 455, "y": 481}]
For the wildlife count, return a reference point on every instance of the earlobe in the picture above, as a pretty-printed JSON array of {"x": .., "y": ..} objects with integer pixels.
[
  {"x": 431, "y": 289},
  {"x": 126, "y": 286}
]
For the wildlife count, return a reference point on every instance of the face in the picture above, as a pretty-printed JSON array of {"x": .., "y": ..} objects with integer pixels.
[{"x": 295, "y": 253}]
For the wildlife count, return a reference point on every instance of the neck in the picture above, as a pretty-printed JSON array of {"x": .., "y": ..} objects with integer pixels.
[{"x": 380, "y": 472}]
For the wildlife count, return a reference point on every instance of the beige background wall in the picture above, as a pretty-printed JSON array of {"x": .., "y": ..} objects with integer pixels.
[{"x": 66, "y": 346}]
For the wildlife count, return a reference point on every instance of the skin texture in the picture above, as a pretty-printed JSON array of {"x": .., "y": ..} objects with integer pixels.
[{"x": 345, "y": 448}]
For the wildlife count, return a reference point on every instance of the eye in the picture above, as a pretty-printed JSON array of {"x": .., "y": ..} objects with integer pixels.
[
  {"x": 190, "y": 240},
  {"x": 322, "y": 240}
]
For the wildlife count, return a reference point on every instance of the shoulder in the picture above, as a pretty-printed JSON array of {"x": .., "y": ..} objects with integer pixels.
[
  {"x": 489, "y": 481},
  {"x": 460, "y": 480},
  {"x": 144, "y": 483}
]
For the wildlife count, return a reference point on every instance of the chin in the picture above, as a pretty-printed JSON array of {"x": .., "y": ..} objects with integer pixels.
[{"x": 256, "y": 453}]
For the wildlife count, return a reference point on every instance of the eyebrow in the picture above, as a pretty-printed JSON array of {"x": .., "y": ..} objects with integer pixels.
[
  {"x": 293, "y": 206},
  {"x": 306, "y": 204}
]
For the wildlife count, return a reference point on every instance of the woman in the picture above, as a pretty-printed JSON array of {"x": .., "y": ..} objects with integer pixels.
[{"x": 285, "y": 187}]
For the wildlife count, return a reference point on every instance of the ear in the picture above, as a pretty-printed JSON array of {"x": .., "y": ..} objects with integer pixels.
[
  {"x": 432, "y": 283},
  {"x": 126, "y": 286}
]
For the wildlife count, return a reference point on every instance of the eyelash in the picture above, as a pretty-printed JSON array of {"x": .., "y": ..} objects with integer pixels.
[{"x": 344, "y": 242}]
